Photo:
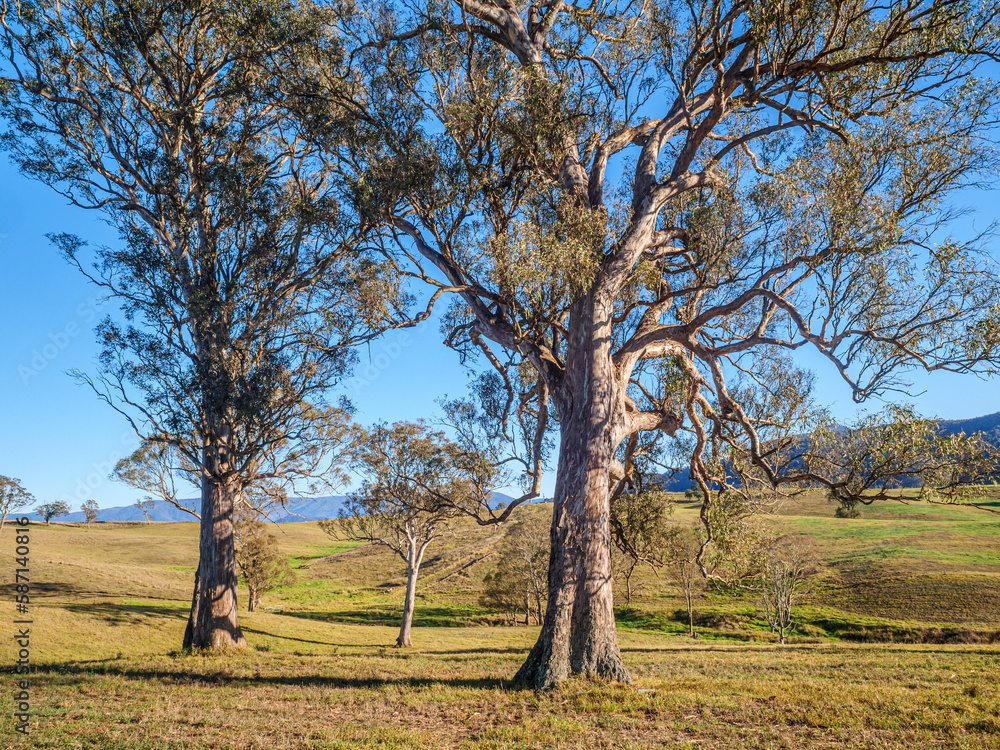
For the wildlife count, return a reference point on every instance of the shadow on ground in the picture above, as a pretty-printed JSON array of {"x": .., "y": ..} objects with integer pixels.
[
  {"x": 127, "y": 614},
  {"x": 74, "y": 673},
  {"x": 423, "y": 617}
]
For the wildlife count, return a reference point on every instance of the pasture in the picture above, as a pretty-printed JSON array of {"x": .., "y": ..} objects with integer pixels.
[{"x": 896, "y": 647}]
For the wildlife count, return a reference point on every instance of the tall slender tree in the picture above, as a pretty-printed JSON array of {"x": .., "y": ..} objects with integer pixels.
[
  {"x": 642, "y": 208},
  {"x": 240, "y": 274}
]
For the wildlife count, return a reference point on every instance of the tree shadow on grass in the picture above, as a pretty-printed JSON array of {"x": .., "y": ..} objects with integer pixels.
[
  {"x": 695, "y": 646},
  {"x": 74, "y": 673},
  {"x": 423, "y": 617},
  {"x": 257, "y": 631},
  {"x": 56, "y": 589},
  {"x": 816, "y": 648},
  {"x": 59, "y": 592},
  {"x": 127, "y": 614},
  {"x": 469, "y": 651}
]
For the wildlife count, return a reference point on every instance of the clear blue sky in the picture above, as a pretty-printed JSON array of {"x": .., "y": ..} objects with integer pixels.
[{"x": 61, "y": 441}]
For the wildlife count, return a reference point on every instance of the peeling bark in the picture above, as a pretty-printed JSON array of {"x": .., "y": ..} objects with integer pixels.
[
  {"x": 214, "y": 622},
  {"x": 578, "y": 633}
]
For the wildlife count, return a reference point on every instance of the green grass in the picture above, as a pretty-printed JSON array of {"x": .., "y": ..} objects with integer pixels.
[{"x": 892, "y": 651}]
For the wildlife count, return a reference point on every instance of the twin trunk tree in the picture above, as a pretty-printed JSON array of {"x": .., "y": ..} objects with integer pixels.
[
  {"x": 643, "y": 210},
  {"x": 238, "y": 269}
]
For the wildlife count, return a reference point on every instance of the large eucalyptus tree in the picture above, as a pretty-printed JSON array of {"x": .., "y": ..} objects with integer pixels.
[
  {"x": 241, "y": 275},
  {"x": 643, "y": 207}
]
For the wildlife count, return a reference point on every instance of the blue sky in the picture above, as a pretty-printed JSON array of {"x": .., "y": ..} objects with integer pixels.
[
  {"x": 55, "y": 435},
  {"x": 61, "y": 441}
]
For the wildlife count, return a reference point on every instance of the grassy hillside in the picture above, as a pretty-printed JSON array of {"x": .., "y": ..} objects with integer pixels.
[{"x": 893, "y": 649}]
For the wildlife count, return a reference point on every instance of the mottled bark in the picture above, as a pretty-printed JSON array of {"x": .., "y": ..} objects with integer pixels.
[
  {"x": 214, "y": 620},
  {"x": 578, "y": 632},
  {"x": 193, "y": 616}
]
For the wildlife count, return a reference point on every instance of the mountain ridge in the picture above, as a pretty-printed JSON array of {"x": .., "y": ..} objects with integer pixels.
[{"x": 296, "y": 510}]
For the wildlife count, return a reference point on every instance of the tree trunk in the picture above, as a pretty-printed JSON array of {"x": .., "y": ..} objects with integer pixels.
[
  {"x": 689, "y": 600},
  {"x": 628, "y": 584},
  {"x": 578, "y": 634},
  {"x": 252, "y": 599},
  {"x": 412, "y": 570},
  {"x": 214, "y": 620},
  {"x": 193, "y": 617}
]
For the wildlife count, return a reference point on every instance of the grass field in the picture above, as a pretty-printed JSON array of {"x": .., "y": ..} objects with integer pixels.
[{"x": 895, "y": 649}]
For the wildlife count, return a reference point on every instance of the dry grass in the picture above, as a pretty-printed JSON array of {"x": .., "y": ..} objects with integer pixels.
[
  {"x": 453, "y": 693},
  {"x": 111, "y": 602}
]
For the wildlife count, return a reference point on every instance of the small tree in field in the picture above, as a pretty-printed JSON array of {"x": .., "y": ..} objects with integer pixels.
[
  {"x": 519, "y": 583},
  {"x": 783, "y": 581},
  {"x": 146, "y": 507},
  {"x": 641, "y": 531},
  {"x": 48, "y": 511},
  {"x": 90, "y": 511},
  {"x": 13, "y": 497},
  {"x": 847, "y": 508},
  {"x": 682, "y": 560},
  {"x": 411, "y": 488},
  {"x": 261, "y": 567}
]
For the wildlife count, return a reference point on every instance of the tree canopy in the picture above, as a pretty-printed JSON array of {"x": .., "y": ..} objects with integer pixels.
[{"x": 240, "y": 272}]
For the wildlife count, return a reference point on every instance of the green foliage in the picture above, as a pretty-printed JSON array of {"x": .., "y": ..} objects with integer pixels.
[
  {"x": 641, "y": 531},
  {"x": 411, "y": 485},
  {"x": 146, "y": 508},
  {"x": 90, "y": 510},
  {"x": 261, "y": 567},
  {"x": 13, "y": 496},
  {"x": 847, "y": 508},
  {"x": 49, "y": 511},
  {"x": 739, "y": 539},
  {"x": 518, "y": 583},
  {"x": 896, "y": 448},
  {"x": 240, "y": 268}
]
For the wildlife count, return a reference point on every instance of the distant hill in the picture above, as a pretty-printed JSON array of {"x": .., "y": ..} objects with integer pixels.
[
  {"x": 988, "y": 424},
  {"x": 162, "y": 512},
  {"x": 296, "y": 510}
]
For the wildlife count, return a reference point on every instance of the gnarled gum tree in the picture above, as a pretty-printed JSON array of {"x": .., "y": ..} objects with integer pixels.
[
  {"x": 617, "y": 187},
  {"x": 239, "y": 272}
]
